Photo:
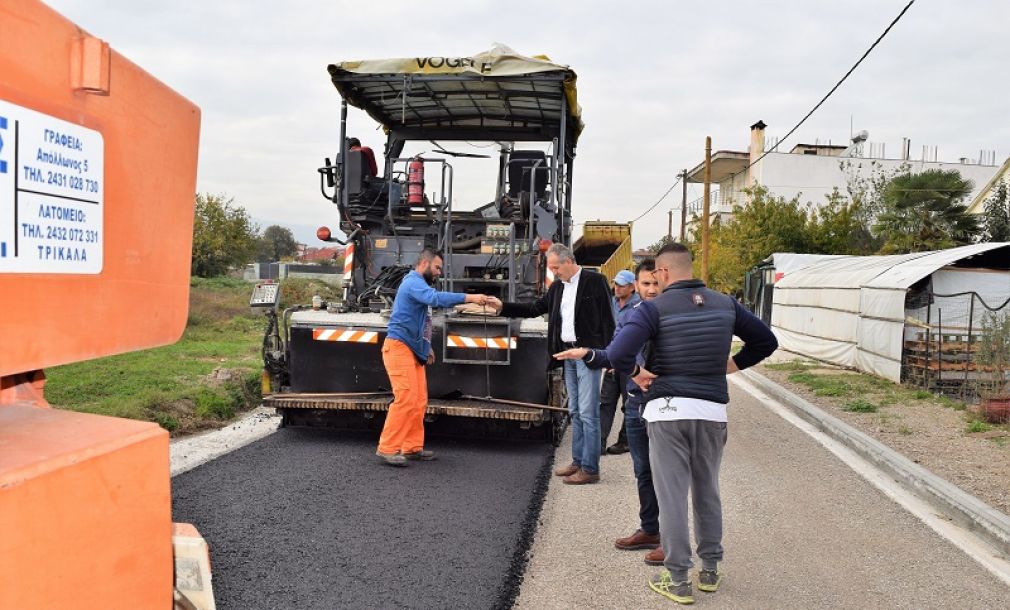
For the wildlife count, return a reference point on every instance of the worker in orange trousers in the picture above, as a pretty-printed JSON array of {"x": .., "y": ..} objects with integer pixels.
[{"x": 406, "y": 351}]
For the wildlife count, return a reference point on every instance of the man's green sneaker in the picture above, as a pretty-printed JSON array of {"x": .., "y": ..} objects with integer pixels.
[
  {"x": 680, "y": 592},
  {"x": 709, "y": 580}
]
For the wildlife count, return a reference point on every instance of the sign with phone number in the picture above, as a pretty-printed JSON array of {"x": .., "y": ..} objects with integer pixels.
[{"x": 51, "y": 194}]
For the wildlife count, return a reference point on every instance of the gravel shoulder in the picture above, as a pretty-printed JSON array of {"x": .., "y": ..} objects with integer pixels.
[{"x": 930, "y": 431}]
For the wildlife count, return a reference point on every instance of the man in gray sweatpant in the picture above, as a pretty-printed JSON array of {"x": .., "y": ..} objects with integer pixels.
[{"x": 691, "y": 329}]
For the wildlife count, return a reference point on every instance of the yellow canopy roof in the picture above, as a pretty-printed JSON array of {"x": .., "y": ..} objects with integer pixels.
[{"x": 499, "y": 92}]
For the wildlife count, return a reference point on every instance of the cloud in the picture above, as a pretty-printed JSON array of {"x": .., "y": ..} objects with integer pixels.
[{"x": 654, "y": 79}]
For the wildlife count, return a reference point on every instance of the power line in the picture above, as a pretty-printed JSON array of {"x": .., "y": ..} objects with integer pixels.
[
  {"x": 833, "y": 89},
  {"x": 812, "y": 110},
  {"x": 653, "y": 206}
]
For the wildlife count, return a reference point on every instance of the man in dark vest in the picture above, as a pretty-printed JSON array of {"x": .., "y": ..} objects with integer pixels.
[
  {"x": 578, "y": 315},
  {"x": 691, "y": 329}
]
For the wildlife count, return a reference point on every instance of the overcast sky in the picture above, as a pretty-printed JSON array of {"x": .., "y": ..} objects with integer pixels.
[{"x": 654, "y": 78}]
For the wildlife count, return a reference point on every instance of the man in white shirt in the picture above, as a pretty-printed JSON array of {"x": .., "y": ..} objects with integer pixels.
[{"x": 579, "y": 315}]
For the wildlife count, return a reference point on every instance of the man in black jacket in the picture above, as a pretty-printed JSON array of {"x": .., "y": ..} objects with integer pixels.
[
  {"x": 690, "y": 328},
  {"x": 579, "y": 315}
]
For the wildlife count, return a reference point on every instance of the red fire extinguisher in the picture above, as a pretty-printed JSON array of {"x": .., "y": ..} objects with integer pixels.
[{"x": 415, "y": 181}]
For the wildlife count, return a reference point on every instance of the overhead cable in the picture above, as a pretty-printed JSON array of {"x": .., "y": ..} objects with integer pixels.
[
  {"x": 833, "y": 89},
  {"x": 653, "y": 206},
  {"x": 812, "y": 110}
]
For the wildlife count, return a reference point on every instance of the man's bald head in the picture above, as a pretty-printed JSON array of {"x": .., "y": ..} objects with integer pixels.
[{"x": 675, "y": 259}]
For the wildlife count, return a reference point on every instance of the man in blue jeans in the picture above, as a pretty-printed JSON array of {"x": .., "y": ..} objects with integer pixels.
[
  {"x": 578, "y": 315},
  {"x": 647, "y": 535},
  {"x": 625, "y": 299}
]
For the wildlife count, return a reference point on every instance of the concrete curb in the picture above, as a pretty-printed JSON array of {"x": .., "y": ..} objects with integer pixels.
[
  {"x": 965, "y": 509},
  {"x": 189, "y": 452}
]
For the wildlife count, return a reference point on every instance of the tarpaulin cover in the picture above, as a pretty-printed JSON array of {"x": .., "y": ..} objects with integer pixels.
[
  {"x": 851, "y": 310},
  {"x": 498, "y": 88}
]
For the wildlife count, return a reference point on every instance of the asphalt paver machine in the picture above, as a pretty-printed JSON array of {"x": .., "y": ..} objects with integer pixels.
[{"x": 491, "y": 374}]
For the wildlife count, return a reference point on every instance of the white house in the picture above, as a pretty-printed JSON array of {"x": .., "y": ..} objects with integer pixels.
[{"x": 813, "y": 171}]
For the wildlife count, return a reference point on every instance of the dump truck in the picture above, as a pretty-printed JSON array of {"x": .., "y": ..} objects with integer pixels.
[
  {"x": 322, "y": 361},
  {"x": 604, "y": 246},
  {"x": 97, "y": 175}
]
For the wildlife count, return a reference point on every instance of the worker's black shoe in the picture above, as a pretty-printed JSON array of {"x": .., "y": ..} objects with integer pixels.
[
  {"x": 392, "y": 459},
  {"x": 422, "y": 455},
  {"x": 618, "y": 448}
]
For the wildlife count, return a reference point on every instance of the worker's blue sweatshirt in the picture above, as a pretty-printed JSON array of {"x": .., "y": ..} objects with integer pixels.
[{"x": 410, "y": 312}]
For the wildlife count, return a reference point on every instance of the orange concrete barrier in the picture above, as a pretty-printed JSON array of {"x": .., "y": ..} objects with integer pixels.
[{"x": 85, "y": 512}]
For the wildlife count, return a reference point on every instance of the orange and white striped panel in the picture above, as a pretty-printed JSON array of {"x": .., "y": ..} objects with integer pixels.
[
  {"x": 481, "y": 342},
  {"x": 347, "y": 335},
  {"x": 348, "y": 261}
]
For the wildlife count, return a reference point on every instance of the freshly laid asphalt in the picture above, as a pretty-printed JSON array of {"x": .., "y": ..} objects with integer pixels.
[{"x": 308, "y": 519}]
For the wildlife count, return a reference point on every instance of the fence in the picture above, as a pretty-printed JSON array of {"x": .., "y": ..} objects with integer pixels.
[
  {"x": 715, "y": 200},
  {"x": 956, "y": 344},
  {"x": 255, "y": 272}
]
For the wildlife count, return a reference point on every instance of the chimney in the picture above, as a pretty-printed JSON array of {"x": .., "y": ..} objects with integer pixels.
[{"x": 757, "y": 148}]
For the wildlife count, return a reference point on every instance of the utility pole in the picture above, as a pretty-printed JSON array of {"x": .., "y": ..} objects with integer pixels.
[
  {"x": 705, "y": 209},
  {"x": 683, "y": 207},
  {"x": 669, "y": 226}
]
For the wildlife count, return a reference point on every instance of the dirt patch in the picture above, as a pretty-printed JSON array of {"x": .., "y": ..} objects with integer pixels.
[
  {"x": 221, "y": 376},
  {"x": 928, "y": 431},
  {"x": 180, "y": 418}
]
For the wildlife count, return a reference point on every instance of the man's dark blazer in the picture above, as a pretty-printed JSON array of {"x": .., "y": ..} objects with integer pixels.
[{"x": 594, "y": 316}]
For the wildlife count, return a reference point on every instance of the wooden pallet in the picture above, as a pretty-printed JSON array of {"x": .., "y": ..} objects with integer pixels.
[{"x": 944, "y": 346}]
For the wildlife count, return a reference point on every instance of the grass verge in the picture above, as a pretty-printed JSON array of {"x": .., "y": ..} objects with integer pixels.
[
  {"x": 861, "y": 393},
  {"x": 204, "y": 379}
]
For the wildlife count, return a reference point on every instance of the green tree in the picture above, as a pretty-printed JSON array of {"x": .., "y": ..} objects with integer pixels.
[
  {"x": 659, "y": 244},
  {"x": 224, "y": 237},
  {"x": 924, "y": 212},
  {"x": 276, "y": 243},
  {"x": 764, "y": 225},
  {"x": 996, "y": 220},
  {"x": 865, "y": 188},
  {"x": 839, "y": 227}
]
